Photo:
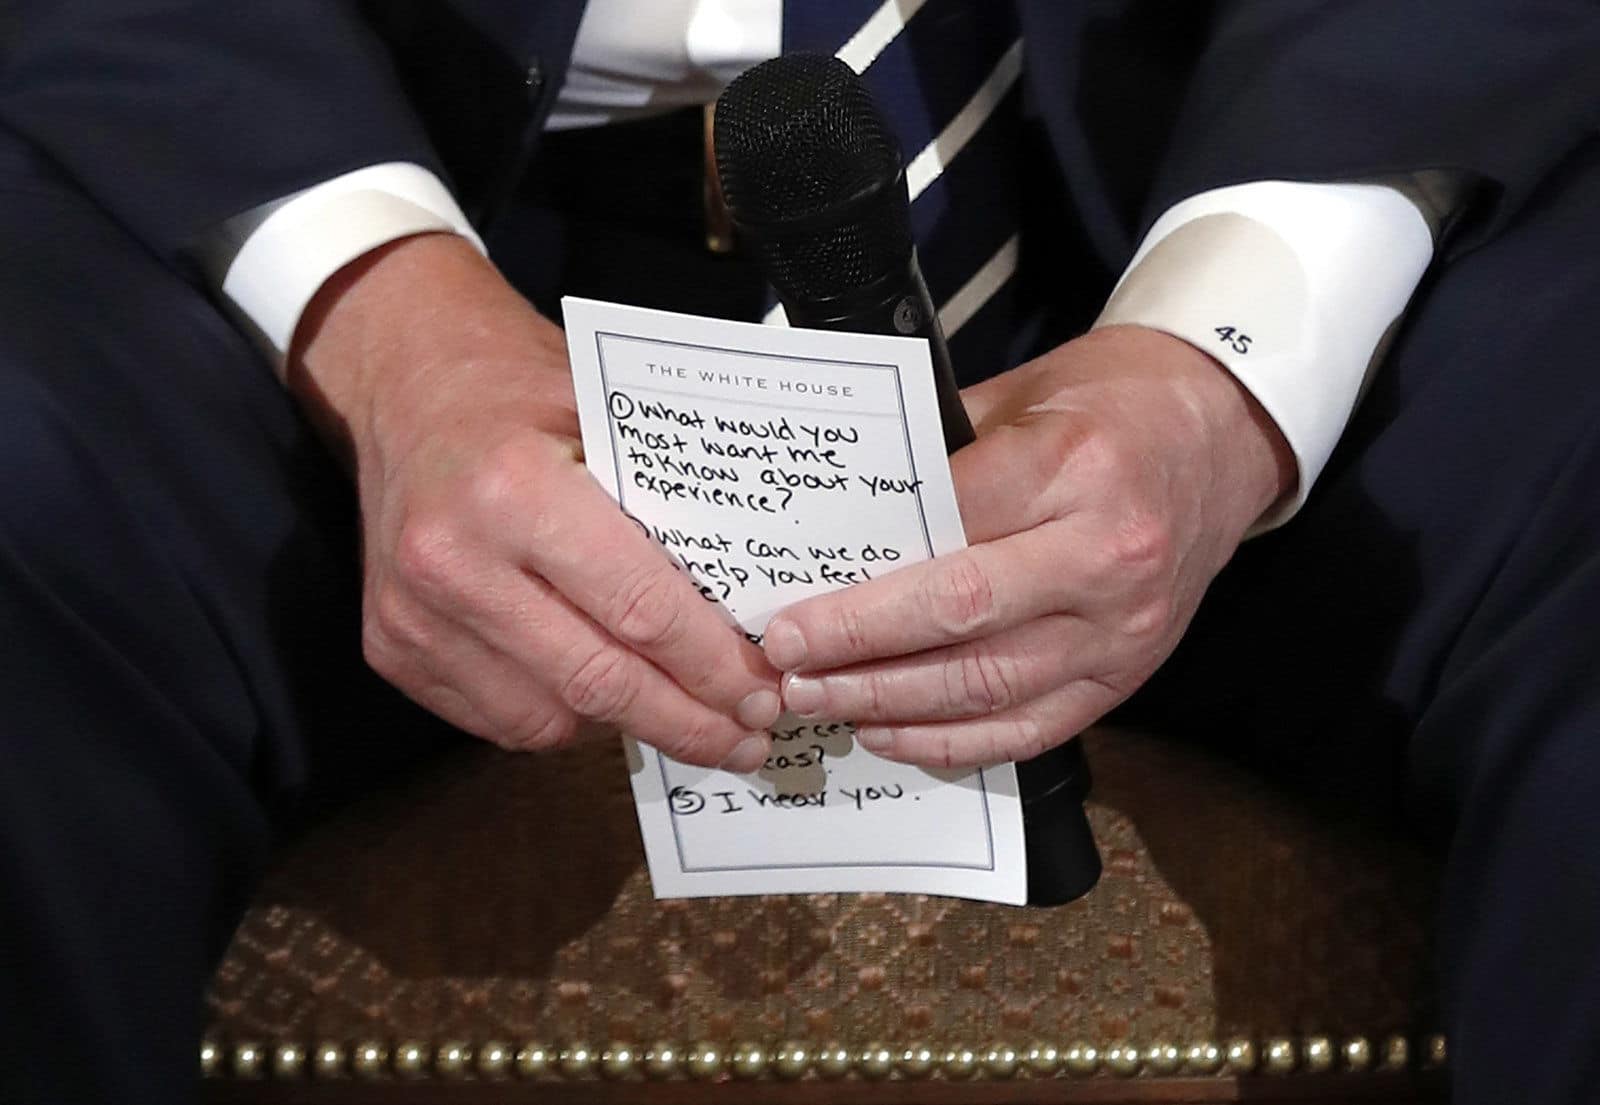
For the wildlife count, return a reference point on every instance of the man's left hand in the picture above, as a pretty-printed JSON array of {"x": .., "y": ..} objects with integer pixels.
[{"x": 1111, "y": 480}]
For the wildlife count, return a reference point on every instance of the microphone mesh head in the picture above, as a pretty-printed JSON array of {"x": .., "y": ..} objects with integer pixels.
[{"x": 811, "y": 175}]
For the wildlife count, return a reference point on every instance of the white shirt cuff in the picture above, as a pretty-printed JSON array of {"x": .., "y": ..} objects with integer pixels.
[
  {"x": 1293, "y": 287},
  {"x": 309, "y": 236}
]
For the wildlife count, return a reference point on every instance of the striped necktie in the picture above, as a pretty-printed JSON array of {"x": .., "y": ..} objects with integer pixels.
[{"x": 945, "y": 75}]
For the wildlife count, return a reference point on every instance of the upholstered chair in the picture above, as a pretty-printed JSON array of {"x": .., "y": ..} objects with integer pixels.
[{"x": 484, "y": 931}]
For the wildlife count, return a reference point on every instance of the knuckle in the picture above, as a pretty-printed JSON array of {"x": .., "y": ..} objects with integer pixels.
[
  {"x": 499, "y": 484},
  {"x": 428, "y": 554},
  {"x": 979, "y": 683},
  {"x": 541, "y": 729},
  {"x": 1061, "y": 448},
  {"x": 1112, "y": 688},
  {"x": 649, "y": 610},
  {"x": 1142, "y": 546},
  {"x": 853, "y": 630},
  {"x": 1149, "y": 620},
  {"x": 874, "y": 697},
  {"x": 702, "y": 744},
  {"x": 960, "y": 599},
  {"x": 603, "y": 686},
  {"x": 1028, "y": 737},
  {"x": 384, "y": 612},
  {"x": 391, "y": 623},
  {"x": 378, "y": 650},
  {"x": 1103, "y": 458}
]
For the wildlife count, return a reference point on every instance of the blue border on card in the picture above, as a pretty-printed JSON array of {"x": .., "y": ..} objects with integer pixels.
[{"x": 927, "y": 544}]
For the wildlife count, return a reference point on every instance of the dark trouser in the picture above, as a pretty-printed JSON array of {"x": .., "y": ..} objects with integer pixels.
[
  {"x": 178, "y": 604},
  {"x": 179, "y": 588},
  {"x": 1427, "y": 633}
]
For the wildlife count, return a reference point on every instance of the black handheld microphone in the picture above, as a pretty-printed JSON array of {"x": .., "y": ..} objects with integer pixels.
[{"x": 816, "y": 186}]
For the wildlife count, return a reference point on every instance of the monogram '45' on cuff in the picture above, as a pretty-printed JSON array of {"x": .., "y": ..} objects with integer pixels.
[{"x": 1293, "y": 287}]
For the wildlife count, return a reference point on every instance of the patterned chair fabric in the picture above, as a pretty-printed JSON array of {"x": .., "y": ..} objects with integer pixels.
[{"x": 491, "y": 921}]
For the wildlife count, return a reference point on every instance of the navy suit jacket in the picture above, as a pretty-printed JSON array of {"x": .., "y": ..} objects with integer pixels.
[{"x": 177, "y": 114}]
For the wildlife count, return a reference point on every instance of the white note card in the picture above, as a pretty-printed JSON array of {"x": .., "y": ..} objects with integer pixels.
[{"x": 772, "y": 464}]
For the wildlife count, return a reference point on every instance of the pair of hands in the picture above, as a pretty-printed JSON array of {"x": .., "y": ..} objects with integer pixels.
[{"x": 504, "y": 591}]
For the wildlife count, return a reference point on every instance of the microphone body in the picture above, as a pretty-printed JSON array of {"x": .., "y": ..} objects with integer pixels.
[
  {"x": 899, "y": 304},
  {"x": 816, "y": 185}
]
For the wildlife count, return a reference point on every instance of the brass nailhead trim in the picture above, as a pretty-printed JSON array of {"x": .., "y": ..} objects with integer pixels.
[
  {"x": 1396, "y": 1053},
  {"x": 327, "y": 1060},
  {"x": 288, "y": 1062},
  {"x": 1000, "y": 1062},
  {"x": 578, "y": 1061},
  {"x": 620, "y": 1062},
  {"x": 1163, "y": 1058},
  {"x": 748, "y": 1061},
  {"x": 412, "y": 1058},
  {"x": 1123, "y": 1060},
  {"x": 875, "y": 1062},
  {"x": 249, "y": 1060},
  {"x": 662, "y": 1060},
  {"x": 495, "y": 1060},
  {"x": 534, "y": 1061},
  {"x": 370, "y": 1060},
  {"x": 1279, "y": 1057},
  {"x": 1203, "y": 1058},
  {"x": 453, "y": 1059},
  {"x": 211, "y": 1054},
  {"x": 1435, "y": 1052},
  {"x": 832, "y": 1061},
  {"x": 1042, "y": 1058},
  {"x": 791, "y": 1060},
  {"x": 960, "y": 1062},
  {"x": 918, "y": 1060},
  {"x": 704, "y": 1061},
  {"x": 1357, "y": 1053},
  {"x": 1081, "y": 1059}
]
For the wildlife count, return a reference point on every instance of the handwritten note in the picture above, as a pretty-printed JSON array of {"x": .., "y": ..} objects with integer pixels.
[{"x": 771, "y": 465}]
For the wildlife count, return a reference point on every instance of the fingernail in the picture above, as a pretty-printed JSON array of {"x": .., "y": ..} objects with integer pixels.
[
  {"x": 874, "y": 740},
  {"x": 785, "y": 647},
  {"x": 803, "y": 695},
  {"x": 748, "y": 755},
  {"x": 759, "y": 709}
]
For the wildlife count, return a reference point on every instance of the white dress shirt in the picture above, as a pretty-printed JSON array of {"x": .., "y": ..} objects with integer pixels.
[
  {"x": 1290, "y": 286},
  {"x": 640, "y": 57}
]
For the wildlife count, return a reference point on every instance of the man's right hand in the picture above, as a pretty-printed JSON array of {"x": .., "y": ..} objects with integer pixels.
[{"x": 504, "y": 590}]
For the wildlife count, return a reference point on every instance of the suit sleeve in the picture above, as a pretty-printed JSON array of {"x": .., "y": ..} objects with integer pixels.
[
  {"x": 177, "y": 114},
  {"x": 1492, "y": 92}
]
